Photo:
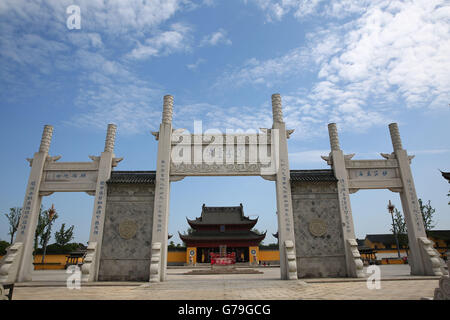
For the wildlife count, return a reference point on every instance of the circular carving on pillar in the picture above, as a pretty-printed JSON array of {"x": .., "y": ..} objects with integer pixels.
[
  {"x": 127, "y": 229},
  {"x": 318, "y": 227}
]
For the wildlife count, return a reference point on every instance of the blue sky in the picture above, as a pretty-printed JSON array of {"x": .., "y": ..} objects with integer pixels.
[{"x": 361, "y": 64}]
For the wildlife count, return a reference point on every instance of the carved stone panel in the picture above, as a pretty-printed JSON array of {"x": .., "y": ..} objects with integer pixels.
[
  {"x": 219, "y": 154},
  {"x": 318, "y": 233},
  {"x": 128, "y": 229},
  {"x": 318, "y": 227},
  {"x": 127, "y": 235}
]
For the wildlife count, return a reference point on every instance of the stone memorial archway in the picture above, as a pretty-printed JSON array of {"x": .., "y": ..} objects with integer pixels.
[
  {"x": 46, "y": 177},
  {"x": 182, "y": 154},
  {"x": 392, "y": 173}
]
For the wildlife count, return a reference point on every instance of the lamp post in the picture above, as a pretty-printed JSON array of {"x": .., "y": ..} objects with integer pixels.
[
  {"x": 51, "y": 213},
  {"x": 391, "y": 208}
]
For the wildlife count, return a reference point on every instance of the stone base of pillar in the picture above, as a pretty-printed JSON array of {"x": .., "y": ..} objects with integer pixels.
[
  {"x": 9, "y": 265},
  {"x": 155, "y": 262},
  {"x": 291, "y": 260},
  {"x": 88, "y": 269},
  {"x": 430, "y": 258},
  {"x": 355, "y": 267},
  {"x": 443, "y": 292}
]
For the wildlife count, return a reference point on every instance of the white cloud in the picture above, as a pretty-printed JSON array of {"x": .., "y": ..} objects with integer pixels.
[
  {"x": 164, "y": 43},
  {"x": 275, "y": 10},
  {"x": 113, "y": 16},
  {"x": 86, "y": 40},
  {"x": 35, "y": 42},
  {"x": 209, "y": 3},
  {"x": 219, "y": 117},
  {"x": 216, "y": 38},
  {"x": 389, "y": 56},
  {"x": 266, "y": 72},
  {"x": 400, "y": 47},
  {"x": 194, "y": 66}
]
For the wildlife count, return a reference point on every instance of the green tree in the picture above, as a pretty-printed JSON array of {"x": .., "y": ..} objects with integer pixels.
[
  {"x": 43, "y": 222},
  {"x": 63, "y": 236},
  {"x": 51, "y": 216},
  {"x": 399, "y": 222},
  {"x": 427, "y": 214},
  {"x": 13, "y": 218},
  {"x": 400, "y": 228},
  {"x": 40, "y": 227}
]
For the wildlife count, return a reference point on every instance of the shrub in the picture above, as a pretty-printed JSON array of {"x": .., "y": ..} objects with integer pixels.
[{"x": 3, "y": 246}]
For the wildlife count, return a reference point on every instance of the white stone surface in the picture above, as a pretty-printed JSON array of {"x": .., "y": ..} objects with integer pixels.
[{"x": 162, "y": 195}]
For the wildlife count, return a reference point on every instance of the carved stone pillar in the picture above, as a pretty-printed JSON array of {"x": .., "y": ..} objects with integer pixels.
[
  {"x": 422, "y": 257},
  {"x": 91, "y": 264},
  {"x": 286, "y": 237},
  {"x": 162, "y": 190},
  {"x": 24, "y": 243},
  {"x": 110, "y": 138},
  {"x": 352, "y": 256}
]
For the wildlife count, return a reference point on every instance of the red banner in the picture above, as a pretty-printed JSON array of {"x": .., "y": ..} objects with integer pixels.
[{"x": 228, "y": 259}]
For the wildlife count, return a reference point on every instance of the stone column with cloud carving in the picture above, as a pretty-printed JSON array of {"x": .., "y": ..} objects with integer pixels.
[
  {"x": 18, "y": 264},
  {"x": 286, "y": 237},
  {"x": 106, "y": 162},
  {"x": 422, "y": 257},
  {"x": 352, "y": 257},
  {"x": 158, "y": 264}
]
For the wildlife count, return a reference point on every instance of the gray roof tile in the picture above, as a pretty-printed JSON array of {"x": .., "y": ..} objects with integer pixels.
[
  {"x": 313, "y": 175},
  {"x": 140, "y": 177}
]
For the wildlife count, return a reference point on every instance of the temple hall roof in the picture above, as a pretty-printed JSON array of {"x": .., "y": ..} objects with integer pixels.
[
  {"x": 230, "y": 235},
  {"x": 222, "y": 215}
]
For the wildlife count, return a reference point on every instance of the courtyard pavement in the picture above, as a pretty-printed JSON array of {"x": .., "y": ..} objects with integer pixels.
[{"x": 396, "y": 284}]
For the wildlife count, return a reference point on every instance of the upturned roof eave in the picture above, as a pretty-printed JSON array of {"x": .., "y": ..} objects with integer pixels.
[{"x": 250, "y": 222}]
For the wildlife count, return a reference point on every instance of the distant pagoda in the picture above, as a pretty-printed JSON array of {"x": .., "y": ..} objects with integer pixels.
[{"x": 222, "y": 228}]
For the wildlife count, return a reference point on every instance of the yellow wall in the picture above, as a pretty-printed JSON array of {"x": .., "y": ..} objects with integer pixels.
[
  {"x": 176, "y": 256},
  {"x": 269, "y": 255},
  {"x": 60, "y": 259},
  {"x": 172, "y": 256},
  {"x": 261, "y": 255},
  {"x": 380, "y": 245}
]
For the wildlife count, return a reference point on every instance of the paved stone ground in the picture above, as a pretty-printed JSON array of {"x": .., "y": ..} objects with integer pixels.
[{"x": 396, "y": 285}]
